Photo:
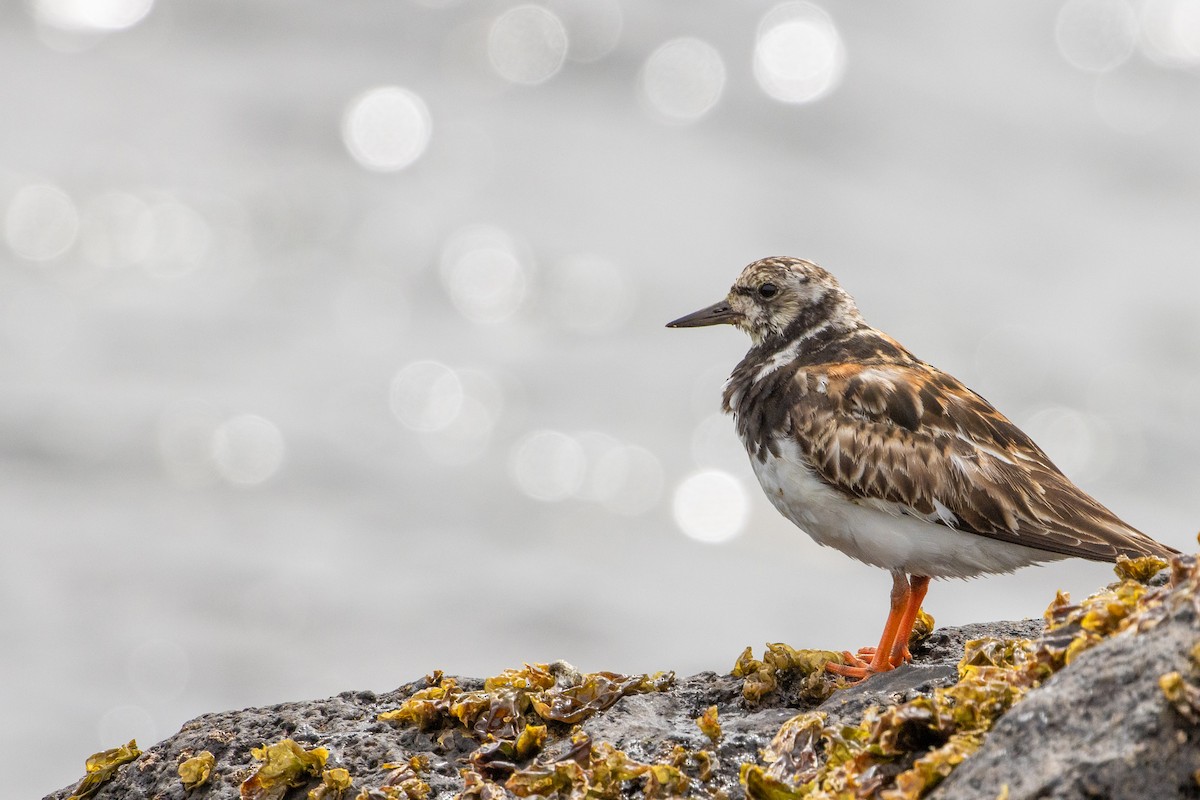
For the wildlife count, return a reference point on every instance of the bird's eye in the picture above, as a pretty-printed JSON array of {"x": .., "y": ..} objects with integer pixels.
[{"x": 768, "y": 290}]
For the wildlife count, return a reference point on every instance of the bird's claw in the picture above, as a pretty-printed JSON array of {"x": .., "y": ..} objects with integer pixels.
[
  {"x": 865, "y": 663},
  {"x": 852, "y": 666},
  {"x": 900, "y": 654}
]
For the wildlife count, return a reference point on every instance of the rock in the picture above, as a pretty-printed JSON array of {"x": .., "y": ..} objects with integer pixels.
[
  {"x": 645, "y": 726},
  {"x": 1101, "y": 727}
]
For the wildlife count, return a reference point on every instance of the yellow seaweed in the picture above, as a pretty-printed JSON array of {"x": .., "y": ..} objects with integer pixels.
[
  {"x": 780, "y": 660},
  {"x": 555, "y": 692},
  {"x": 1140, "y": 569},
  {"x": 334, "y": 782},
  {"x": 403, "y": 781},
  {"x": 665, "y": 780},
  {"x": 1183, "y": 696},
  {"x": 561, "y": 778},
  {"x": 922, "y": 628},
  {"x": 196, "y": 770},
  {"x": 904, "y": 751},
  {"x": 594, "y": 692},
  {"x": 761, "y": 786},
  {"x": 100, "y": 768},
  {"x": 531, "y": 741},
  {"x": 710, "y": 724},
  {"x": 285, "y": 764},
  {"x": 476, "y": 787},
  {"x": 426, "y": 706}
]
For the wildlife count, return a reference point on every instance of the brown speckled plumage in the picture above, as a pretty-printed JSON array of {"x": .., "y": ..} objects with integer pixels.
[
  {"x": 876, "y": 423},
  {"x": 876, "y": 453}
]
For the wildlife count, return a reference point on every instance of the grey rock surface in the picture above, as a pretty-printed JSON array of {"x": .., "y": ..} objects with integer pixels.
[
  {"x": 646, "y": 726},
  {"x": 1099, "y": 729}
]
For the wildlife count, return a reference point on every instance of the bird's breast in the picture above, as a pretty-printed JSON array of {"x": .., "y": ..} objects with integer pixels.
[{"x": 877, "y": 532}]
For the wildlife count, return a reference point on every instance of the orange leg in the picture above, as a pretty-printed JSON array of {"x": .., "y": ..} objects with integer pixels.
[
  {"x": 900, "y": 654},
  {"x": 919, "y": 585},
  {"x": 856, "y": 667}
]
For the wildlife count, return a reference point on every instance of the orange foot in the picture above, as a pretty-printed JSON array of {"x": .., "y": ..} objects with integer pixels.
[
  {"x": 893, "y": 645},
  {"x": 855, "y": 666},
  {"x": 900, "y": 653}
]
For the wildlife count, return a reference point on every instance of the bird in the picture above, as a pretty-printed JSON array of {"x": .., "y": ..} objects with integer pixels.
[{"x": 886, "y": 458}]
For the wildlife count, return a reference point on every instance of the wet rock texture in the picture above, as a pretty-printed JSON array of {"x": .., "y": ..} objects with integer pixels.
[{"x": 1101, "y": 728}]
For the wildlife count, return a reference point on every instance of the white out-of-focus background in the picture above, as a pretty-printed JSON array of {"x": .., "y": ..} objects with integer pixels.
[{"x": 332, "y": 346}]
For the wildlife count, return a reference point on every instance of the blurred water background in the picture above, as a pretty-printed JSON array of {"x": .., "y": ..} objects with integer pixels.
[{"x": 332, "y": 346}]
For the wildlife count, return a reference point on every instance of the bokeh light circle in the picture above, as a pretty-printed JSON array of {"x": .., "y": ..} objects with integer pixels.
[
  {"x": 798, "y": 55},
  {"x": 627, "y": 479},
  {"x": 593, "y": 27},
  {"x": 185, "y": 435},
  {"x": 588, "y": 294},
  {"x": 41, "y": 222},
  {"x": 91, "y": 15},
  {"x": 465, "y": 438},
  {"x": 468, "y": 436},
  {"x": 547, "y": 465},
  {"x": 1170, "y": 32},
  {"x": 485, "y": 273},
  {"x": 387, "y": 128},
  {"x": 426, "y": 396},
  {"x": 596, "y": 445},
  {"x": 247, "y": 449},
  {"x": 113, "y": 233},
  {"x": 683, "y": 80},
  {"x": 177, "y": 239},
  {"x": 1096, "y": 35},
  {"x": 527, "y": 44},
  {"x": 711, "y": 506}
]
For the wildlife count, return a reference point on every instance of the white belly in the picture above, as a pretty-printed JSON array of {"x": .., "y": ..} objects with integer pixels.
[{"x": 877, "y": 533}]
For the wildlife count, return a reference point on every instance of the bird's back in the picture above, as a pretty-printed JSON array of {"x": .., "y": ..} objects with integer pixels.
[{"x": 884, "y": 428}]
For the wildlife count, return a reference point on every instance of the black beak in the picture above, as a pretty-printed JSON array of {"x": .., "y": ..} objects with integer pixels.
[{"x": 716, "y": 314}]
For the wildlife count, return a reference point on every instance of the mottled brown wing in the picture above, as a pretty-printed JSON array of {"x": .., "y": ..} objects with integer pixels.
[{"x": 919, "y": 439}]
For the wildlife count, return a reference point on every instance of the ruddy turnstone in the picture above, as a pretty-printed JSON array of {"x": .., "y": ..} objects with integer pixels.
[{"x": 870, "y": 450}]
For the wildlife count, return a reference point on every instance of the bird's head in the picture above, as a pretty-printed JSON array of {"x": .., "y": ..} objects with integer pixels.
[{"x": 779, "y": 298}]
